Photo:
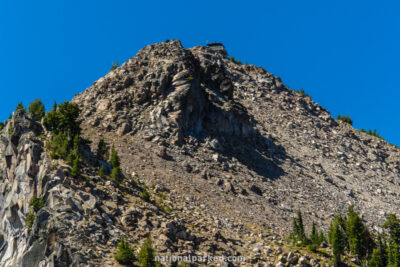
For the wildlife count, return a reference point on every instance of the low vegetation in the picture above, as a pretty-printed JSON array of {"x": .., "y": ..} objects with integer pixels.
[
  {"x": 124, "y": 254},
  {"x": 302, "y": 93},
  {"x": 146, "y": 254},
  {"x": 348, "y": 235},
  {"x": 114, "y": 66},
  {"x": 37, "y": 203},
  {"x": 36, "y": 109},
  {"x": 345, "y": 119},
  {"x": 372, "y": 133}
]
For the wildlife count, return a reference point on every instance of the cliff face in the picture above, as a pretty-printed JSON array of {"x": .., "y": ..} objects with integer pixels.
[{"x": 226, "y": 151}]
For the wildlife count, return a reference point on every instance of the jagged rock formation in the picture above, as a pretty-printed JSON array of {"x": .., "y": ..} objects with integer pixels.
[{"x": 227, "y": 152}]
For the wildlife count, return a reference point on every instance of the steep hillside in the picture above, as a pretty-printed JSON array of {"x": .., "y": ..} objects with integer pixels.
[
  {"x": 233, "y": 140},
  {"x": 217, "y": 158}
]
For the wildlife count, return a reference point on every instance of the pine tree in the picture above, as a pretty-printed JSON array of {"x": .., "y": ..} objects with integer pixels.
[
  {"x": 102, "y": 150},
  {"x": 116, "y": 174},
  {"x": 301, "y": 233},
  {"x": 146, "y": 254},
  {"x": 314, "y": 238},
  {"x": 358, "y": 235},
  {"x": 68, "y": 122},
  {"x": 321, "y": 237},
  {"x": 337, "y": 239},
  {"x": 124, "y": 254},
  {"x": 393, "y": 226},
  {"x": 36, "y": 109},
  {"x": 115, "y": 162},
  {"x": 71, "y": 159},
  {"x": 77, "y": 146},
  {"x": 20, "y": 107},
  {"x": 379, "y": 256},
  {"x": 114, "y": 66},
  {"x": 298, "y": 236},
  {"x": 55, "y": 106},
  {"x": 76, "y": 170}
]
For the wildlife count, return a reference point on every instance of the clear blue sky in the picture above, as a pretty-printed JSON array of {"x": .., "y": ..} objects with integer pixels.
[{"x": 345, "y": 54}]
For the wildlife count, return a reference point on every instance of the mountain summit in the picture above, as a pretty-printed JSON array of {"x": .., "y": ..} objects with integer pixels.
[{"x": 209, "y": 157}]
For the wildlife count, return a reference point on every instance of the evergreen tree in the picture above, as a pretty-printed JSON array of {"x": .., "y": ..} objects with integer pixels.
[
  {"x": 393, "y": 226},
  {"x": 55, "y": 106},
  {"x": 359, "y": 238},
  {"x": 51, "y": 121},
  {"x": 124, "y": 254},
  {"x": 20, "y": 107},
  {"x": 115, "y": 161},
  {"x": 77, "y": 146},
  {"x": 337, "y": 239},
  {"x": 322, "y": 237},
  {"x": 114, "y": 66},
  {"x": 59, "y": 145},
  {"x": 298, "y": 236},
  {"x": 116, "y": 174},
  {"x": 102, "y": 150},
  {"x": 300, "y": 224},
  {"x": 314, "y": 237},
  {"x": 379, "y": 256},
  {"x": 68, "y": 118},
  {"x": 36, "y": 109},
  {"x": 71, "y": 159},
  {"x": 76, "y": 169},
  {"x": 146, "y": 254}
]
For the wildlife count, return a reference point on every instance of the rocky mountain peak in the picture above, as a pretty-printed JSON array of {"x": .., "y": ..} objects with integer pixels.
[{"x": 216, "y": 157}]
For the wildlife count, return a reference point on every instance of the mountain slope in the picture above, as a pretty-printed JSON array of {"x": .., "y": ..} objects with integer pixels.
[
  {"x": 227, "y": 153},
  {"x": 266, "y": 150}
]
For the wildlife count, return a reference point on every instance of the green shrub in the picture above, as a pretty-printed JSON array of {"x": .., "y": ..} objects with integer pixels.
[
  {"x": 146, "y": 254},
  {"x": 76, "y": 168},
  {"x": 302, "y": 93},
  {"x": 51, "y": 120},
  {"x": 29, "y": 220},
  {"x": 372, "y": 133},
  {"x": 145, "y": 195},
  {"x": 60, "y": 146},
  {"x": 345, "y": 119},
  {"x": 36, "y": 109},
  {"x": 116, "y": 174},
  {"x": 114, "y": 66},
  {"x": 37, "y": 203},
  {"x": 124, "y": 254},
  {"x": 1, "y": 126}
]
